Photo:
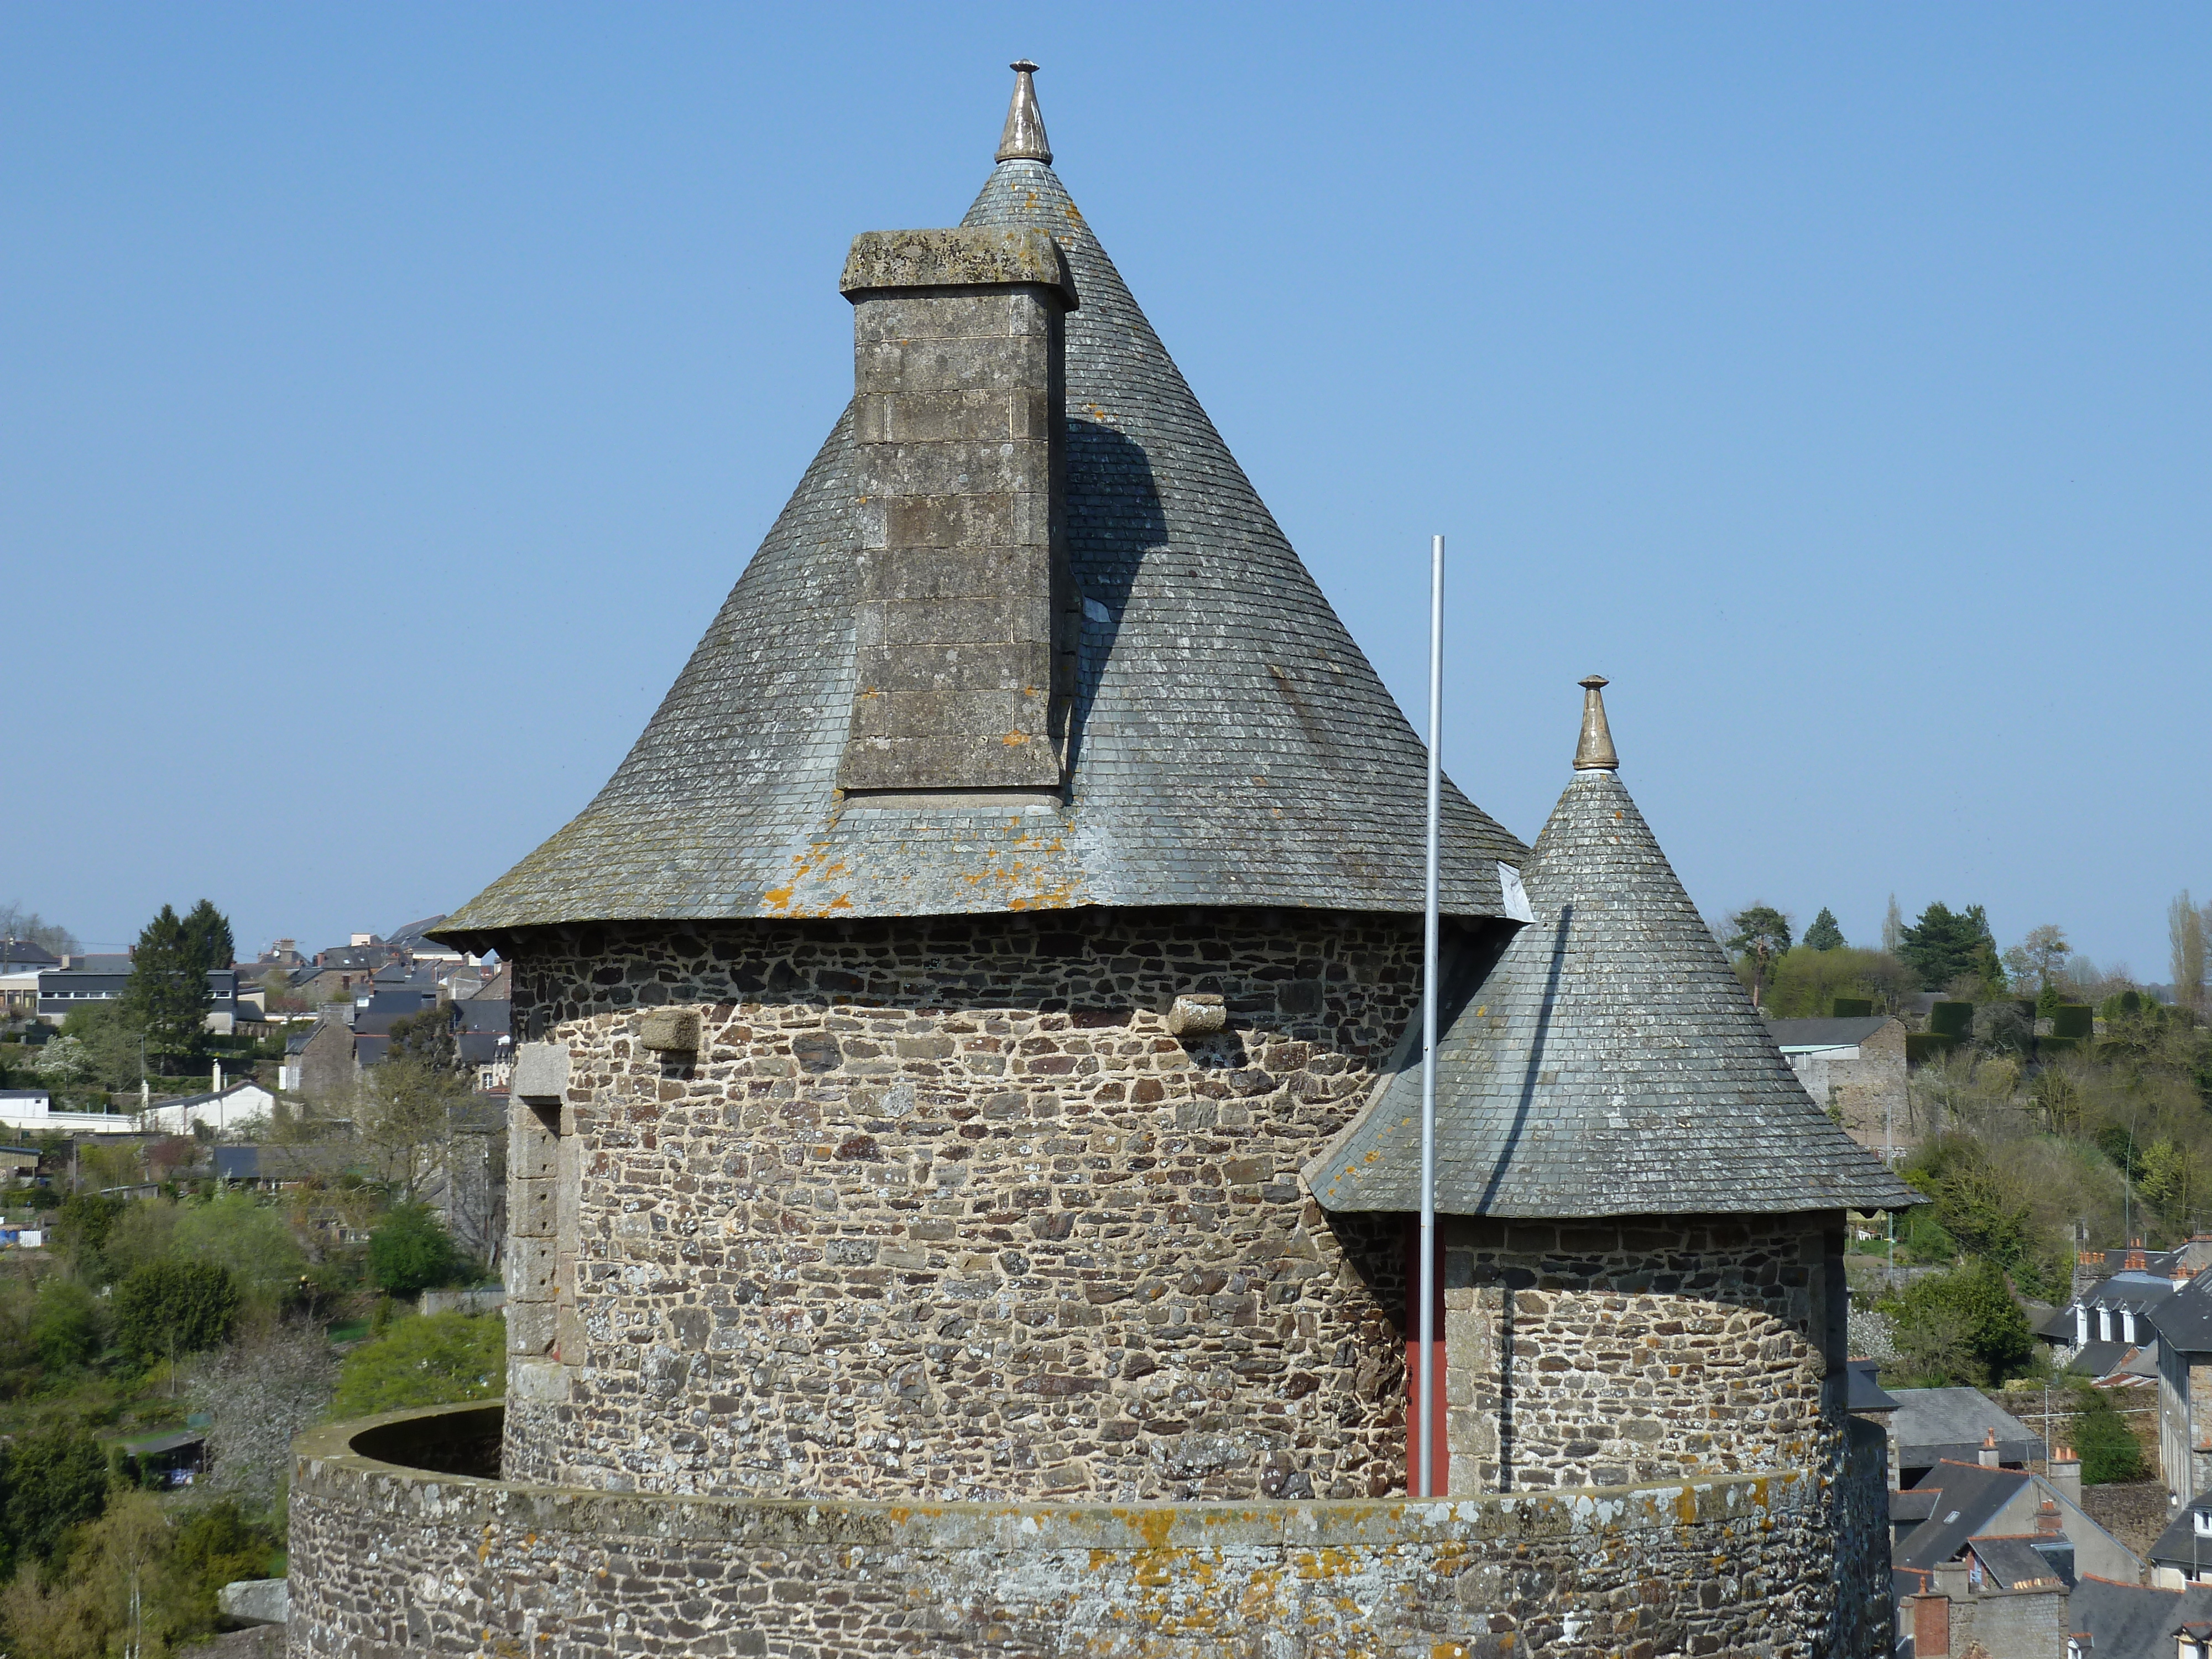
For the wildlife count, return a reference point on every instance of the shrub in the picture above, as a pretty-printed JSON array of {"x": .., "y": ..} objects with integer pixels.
[
  {"x": 2073, "y": 1019},
  {"x": 430, "y": 1361},
  {"x": 56, "y": 1481},
  {"x": 2057, "y": 1045},
  {"x": 250, "y": 1239},
  {"x": 1922, "y": 1047},
  {"x": 167, "y": 1310},
  {"x": 411, "y": 1252},
  {"x": 1971, "y": 1311},
  {"x": 66, "y": 1324},
  {"x": 2107, "y": 1446}
]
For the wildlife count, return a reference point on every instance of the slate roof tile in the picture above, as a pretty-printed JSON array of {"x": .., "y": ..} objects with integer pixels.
[
  {"x": 1232, "y": 745},
  {"x": 1608, "y": 1063}
]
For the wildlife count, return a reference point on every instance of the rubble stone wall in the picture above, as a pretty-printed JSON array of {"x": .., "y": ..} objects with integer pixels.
[
  {"x": 389, "y": 1558},
  {"x": 1652, "y": 1348},
  {"x": 942, "y": 1210}
]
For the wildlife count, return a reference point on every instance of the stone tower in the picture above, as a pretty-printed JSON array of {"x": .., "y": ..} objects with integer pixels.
[
  {"x": 958, "y": 1184},
  {"x": 862, "y": 1148},
  {"x": 1643, "y": 1263}
]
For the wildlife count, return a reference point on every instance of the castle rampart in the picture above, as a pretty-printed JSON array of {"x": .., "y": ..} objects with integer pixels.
[{"x": 440, "y": 1563}]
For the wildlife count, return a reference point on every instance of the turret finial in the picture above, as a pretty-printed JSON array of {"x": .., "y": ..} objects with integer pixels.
[
  {"x": 1023, "y": 140},
  {"x": 1594, "y": 752}
]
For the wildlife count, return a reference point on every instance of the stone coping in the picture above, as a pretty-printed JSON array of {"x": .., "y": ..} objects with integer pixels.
[{"x": 327, "y": 1466}]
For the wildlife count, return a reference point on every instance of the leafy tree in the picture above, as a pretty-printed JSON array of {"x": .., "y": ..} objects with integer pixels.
[
  {"x": 2168, "y": 1180},
  {"x": 112, "y": 1045},
  {"x": 207, "y": 931},
  {"x": 55, "y": 1479},
  {"x": 66, "y": 1324},
  {"x": 426, "y": 1038},
  {"x": 1804, "y": 984},
  {"x": 248, "y": 1239},
  {"x": 429, "y": 1361},
  {"x": 1892, "y": 927},
  {"x": 2036, "y": 961},
  {"x": 172, "y": 1308},
  {"x": 405, "y": 1120},
  {"x": 1944, "y": 945},
  {"x": 1761, "y": 932},
  {"x": 2107, "y": 1448},
  {"x": 409, "y": 1252},
  {"x": 1824, "y": 934},
  {"x": 1972, "y": 1309},
  {"x": 167, "y": 996},
  {"x": 1974, "y": 1200},
  {"x": 83, "y": 1229}
]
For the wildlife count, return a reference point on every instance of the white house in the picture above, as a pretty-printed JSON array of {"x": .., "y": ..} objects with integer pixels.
[{"x": 32, "y": 1110}]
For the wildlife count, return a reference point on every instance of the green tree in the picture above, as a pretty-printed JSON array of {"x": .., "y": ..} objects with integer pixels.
[
  {"x": 1824, "y": 934},
  {"x": 409, "y": 1252},
  {"x": 404, "y": 1116},
  {"x": 207, "y": 933},
  {"x": 55, "y": 1479},
  {"x": 1760, "y": 932},
  {"x": 1974, "y": 1308},
  {"x": 66, "y": 1326},
  {"x": 248, "y": 1239},
  {"x": 167, "y": 996},
  {"x": 170, "y": 1309},
  {"x": 1892, "y": 927},
  {"x": 429, "y": 1361},
  {"x": 1944, "y": 944},
  {"x": 1804, "y": 984},
  {"x": 2107, "y": 1448}
]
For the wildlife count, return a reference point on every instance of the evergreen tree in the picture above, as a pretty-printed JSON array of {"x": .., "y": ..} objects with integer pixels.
[
  {"x": 167, "y": 997},
  {"x": 1945, "y": 944},
  {"x": 1824, "y": 934},
  {"x": 1761, "y": 932},
  {"x": 207, "y": 930}
]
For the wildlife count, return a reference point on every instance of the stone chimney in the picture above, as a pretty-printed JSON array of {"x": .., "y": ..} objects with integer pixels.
[
  {"x": 1988, "y": 1454},
  {"x": 2063, "y": 1472},
  {"x": 966, "y": 622},
  {"x": 2047, "y": 1522}
]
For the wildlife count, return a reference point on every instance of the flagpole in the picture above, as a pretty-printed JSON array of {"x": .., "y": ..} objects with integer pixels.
[{"x": 1428, "y": 1238}]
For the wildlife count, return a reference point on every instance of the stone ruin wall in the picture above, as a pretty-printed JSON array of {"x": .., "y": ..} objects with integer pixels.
[
  {"x": 388, "y": 1559},
  {"x": 942, "y": 1210},
  {"x": 880, "y": 1241}
]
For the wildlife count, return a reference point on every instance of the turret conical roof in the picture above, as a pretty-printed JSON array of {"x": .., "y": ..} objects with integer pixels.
[
  {"x": 1231, "y": 745},
  {"x": 1608, "y": 1063}
]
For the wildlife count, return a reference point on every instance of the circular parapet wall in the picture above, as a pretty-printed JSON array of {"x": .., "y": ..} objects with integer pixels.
[{"x": 389, "y": 1555}]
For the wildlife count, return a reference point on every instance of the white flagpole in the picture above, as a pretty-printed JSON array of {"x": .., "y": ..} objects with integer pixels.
[{"x": 1428, "y": 1241}]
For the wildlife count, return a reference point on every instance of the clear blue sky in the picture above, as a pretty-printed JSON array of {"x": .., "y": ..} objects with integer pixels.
[{"x": 393, "y": 392}]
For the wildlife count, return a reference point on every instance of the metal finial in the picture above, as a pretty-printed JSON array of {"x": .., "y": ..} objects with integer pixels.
[
  {"x": 1023, "y": 140},
  {"x": 1594, "y": 752}
]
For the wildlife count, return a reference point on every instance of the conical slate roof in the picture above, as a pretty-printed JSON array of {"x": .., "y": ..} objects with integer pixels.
[
  {"x": 1608, "y": 1064},
  {"x": 1231, "y": 745}
]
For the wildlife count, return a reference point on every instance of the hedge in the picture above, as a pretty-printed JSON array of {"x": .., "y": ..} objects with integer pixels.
[
  {"x": 2074, "y": 1019},
  {"x": 1922, "y": 1045},
  {"x": 1852, "y": 1008},
  {"x": 1952, "y": 1019}
]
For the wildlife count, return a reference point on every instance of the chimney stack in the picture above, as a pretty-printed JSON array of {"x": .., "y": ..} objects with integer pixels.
[
  {"x": 2063, "y": 1472},
  {"x": 965, "y": 632},
  {"x": 1989, "y": 1452}
]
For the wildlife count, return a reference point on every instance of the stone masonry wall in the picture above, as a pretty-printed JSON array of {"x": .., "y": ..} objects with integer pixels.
[
  {"x": 941, "y": 1209},
  {"x": 387, "y": 1559},
  {"x": 1655, "y": 1348}
]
